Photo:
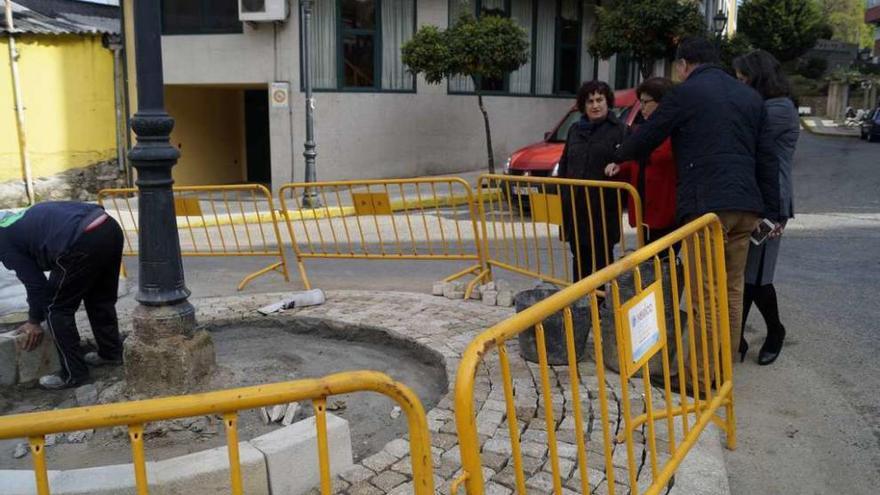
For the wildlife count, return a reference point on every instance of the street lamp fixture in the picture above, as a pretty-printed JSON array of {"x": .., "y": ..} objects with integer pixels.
[
  {"x": 719, "y": 23},
  {"x": 310, "y": 196}
]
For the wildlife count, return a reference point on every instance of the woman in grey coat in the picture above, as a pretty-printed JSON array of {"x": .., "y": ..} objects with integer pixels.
[{"x": 777, "y": 142}]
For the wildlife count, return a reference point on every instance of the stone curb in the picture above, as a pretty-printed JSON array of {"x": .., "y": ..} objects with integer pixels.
[
  {"x": 282, "y": 461},
  {"x": 820, "y": 130}
]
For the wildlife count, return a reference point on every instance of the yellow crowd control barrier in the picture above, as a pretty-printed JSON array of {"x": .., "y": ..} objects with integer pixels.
[
  {"x": 233, "y": 220},
  {"x": 668, "y": 424},
  {"x": 396, "y": 219},
  {"x": 134, "y": 415},
  {"x": 556, "y": 230}
]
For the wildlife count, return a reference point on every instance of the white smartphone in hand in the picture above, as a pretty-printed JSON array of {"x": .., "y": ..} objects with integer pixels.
[{"x": 762, "y": 232}]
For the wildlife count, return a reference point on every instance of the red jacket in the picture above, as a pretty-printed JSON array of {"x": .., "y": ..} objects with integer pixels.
[{"x": 658, "y": 191}]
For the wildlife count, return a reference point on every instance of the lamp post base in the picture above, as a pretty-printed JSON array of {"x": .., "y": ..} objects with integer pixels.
[{"x": 165, "y": 354}]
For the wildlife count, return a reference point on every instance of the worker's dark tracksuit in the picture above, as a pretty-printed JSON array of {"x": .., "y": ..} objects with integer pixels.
[{"x": 81, "y": 247}]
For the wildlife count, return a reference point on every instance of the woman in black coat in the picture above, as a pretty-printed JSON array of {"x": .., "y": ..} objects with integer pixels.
[
  {"x": 776, "y": 144},
  {"x": 589, "y": 147}
]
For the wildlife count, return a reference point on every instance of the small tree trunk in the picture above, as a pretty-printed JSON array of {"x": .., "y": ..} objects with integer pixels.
[{"x": 490, "y": 155}]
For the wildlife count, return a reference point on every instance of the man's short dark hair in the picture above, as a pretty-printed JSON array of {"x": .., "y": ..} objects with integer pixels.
[
  {"x": 591, "y": 87},
  {"x": 697, "y": 50},
  {"x": 655, "y": 87}
]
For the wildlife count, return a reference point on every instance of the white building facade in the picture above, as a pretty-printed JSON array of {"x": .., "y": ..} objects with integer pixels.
[{"x": 226, "y": 80}]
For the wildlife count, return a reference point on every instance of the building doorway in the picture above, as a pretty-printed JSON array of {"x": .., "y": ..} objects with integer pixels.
[{"x": 256, "y": 131}]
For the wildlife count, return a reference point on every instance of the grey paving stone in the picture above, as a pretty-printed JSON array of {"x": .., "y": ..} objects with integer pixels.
[
  {"x": 542, "y": 482},
  {"x": 356, "y": 474},
  {"x": 364, "y": 488},
  {"x": 379, "y": 461},
  {"x": 403, "y": 466},
  {"x": 534, "y": 449},
  {"x": 388, "y": 480},
  {"x": 398, "y": 448}
]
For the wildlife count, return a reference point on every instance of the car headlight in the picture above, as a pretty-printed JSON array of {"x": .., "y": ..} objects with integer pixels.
[
  {"x": 555, "y": 171},
  {"x": 507, "y": 165}
]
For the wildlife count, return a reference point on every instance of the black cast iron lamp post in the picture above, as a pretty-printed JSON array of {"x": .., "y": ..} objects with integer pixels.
[
  {"x": 164, "y": 353},
  {"x": 310, "y": 196}
]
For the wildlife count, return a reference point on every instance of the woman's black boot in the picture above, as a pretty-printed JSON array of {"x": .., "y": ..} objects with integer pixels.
[
  {"x": 743, "y": 348},
  {"x": 767, "y": 304},
  {"x": 772, "y": 346}
]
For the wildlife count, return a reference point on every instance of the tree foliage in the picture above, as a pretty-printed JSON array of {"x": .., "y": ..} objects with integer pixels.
[
  {"x": 847, "y": 21},
  {"x": 785, "y": 28},
  {"x": 733, "y": 47},
  {"x": 488, "y": 47},
  {"x": 645, "y": 30}
]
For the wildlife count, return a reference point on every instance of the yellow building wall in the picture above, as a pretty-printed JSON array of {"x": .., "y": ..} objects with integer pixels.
[
  {"x": 67, "y": 87},
  {"x": 209, "y": 132}
]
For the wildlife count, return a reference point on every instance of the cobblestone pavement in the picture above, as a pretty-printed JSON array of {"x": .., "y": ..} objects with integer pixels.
[{"x": 447, "y": 327}]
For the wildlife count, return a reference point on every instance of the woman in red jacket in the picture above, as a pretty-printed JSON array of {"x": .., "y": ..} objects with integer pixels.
[{"x": 653, "y": 177}]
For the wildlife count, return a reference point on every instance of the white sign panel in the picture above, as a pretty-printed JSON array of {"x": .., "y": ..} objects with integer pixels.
[
  {"x": 643, "y": 326},
  {"x": 279, "y": 93}
]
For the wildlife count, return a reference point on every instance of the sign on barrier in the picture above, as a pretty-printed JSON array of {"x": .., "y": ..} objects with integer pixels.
[
  {"x": 420, "y": 219},
  {"x": 643, "y": 333},
  {"x": 602, "y": 422},
  {"x": 233, "y": 220}
]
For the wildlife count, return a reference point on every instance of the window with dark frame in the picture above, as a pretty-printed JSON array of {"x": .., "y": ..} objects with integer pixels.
[
  {"x": 200, "y": 17},
  {"x": 568, "y": 41},
  {"x": 566, "y": 51},
  {"x": 355, "y": 45},
  {"x": 357, "y": 41}
]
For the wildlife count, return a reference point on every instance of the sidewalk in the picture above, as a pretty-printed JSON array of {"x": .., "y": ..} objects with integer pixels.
[{"x": 827, "y": 127}]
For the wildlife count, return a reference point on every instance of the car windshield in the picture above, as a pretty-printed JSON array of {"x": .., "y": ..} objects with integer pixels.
[{"x": 573, "y": 116}]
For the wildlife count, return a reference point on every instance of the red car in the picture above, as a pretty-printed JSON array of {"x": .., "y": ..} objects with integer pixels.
[{"x": 541, "y": 159}]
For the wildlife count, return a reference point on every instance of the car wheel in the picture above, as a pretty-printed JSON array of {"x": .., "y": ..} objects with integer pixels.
[{"x": 871, "y": 138}]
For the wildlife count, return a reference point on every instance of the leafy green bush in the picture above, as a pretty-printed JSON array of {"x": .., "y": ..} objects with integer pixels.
[{"x": 812, "y": 67}]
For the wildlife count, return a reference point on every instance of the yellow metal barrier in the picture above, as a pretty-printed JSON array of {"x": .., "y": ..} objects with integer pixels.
[
  {"x": 543, "y": 227},
  {"x": 396, "y": 219},
  {"x": 234, "y": 220},
  {"x": 699, "y": 343},
  {"x": 34, "y": 426}
]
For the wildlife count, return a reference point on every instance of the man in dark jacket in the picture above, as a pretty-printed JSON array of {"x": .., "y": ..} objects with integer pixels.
[
  {"x": 81, "y": 247},
  {"x": 714, "y": 121}
]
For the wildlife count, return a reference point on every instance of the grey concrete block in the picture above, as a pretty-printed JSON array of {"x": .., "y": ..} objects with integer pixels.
[
  {"x": 103, "y": 480},
  {"x": 490, "y": 297},
  {"x": 19, "y": 366},
  {"x": 292, "y": 454},
  {"x": 208, "y": 472},
  {"x": 21, "y": 481}
]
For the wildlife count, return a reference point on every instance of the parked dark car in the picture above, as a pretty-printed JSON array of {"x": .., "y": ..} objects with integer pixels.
[{"x": 870, "y": 127}]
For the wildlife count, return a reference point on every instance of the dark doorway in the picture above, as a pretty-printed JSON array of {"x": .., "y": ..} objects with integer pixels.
[{"x": 256, "y": 133}]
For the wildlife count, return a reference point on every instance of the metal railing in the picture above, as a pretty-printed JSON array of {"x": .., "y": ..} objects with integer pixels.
[
  {"x": 698, "y": 341},
  {"x": 233, "y": 220},
  {"x": 134, "y": 415},
  {"x": 542, "y": 227},
  {"x": 395, "y": 219}
]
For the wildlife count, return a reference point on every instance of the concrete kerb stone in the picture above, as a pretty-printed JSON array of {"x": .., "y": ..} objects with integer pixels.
[{"x": 291, "y": 454}]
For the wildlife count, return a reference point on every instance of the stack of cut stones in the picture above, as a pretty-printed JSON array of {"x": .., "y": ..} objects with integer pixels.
[{"x": 497, "y": 293}]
